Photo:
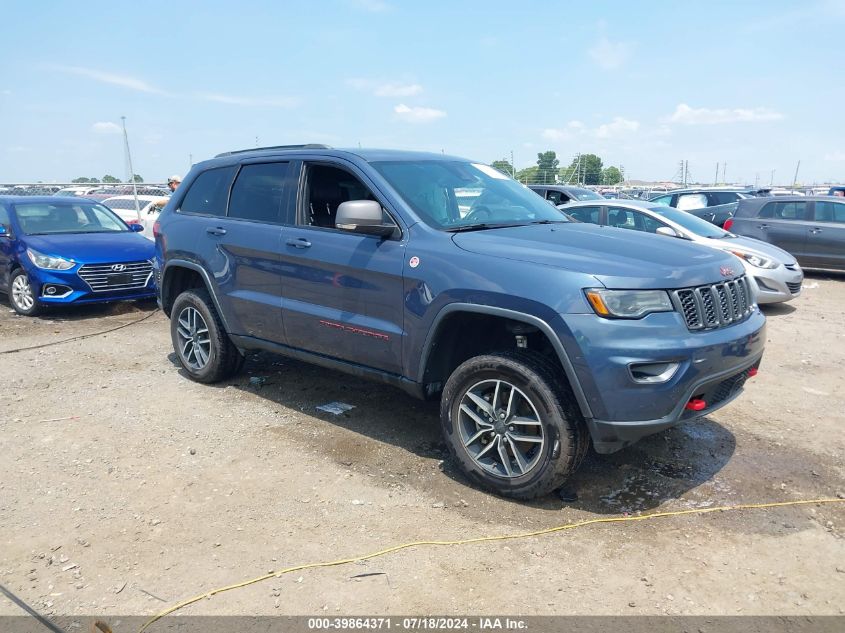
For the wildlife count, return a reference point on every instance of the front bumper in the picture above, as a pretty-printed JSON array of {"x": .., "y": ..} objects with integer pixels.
[
  {"x": 709, "y": 364},
  {"x": 64, "y": 287},
  {"x": 777, "y": 285}
]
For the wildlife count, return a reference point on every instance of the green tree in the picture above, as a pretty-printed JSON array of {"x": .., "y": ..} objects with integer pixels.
[
  {"x": 528, "y": 176},
  {"x": 137, "y": 178},
  {"x": 110, "y": 179},
  {"x": 547, "y": 164},
  {"x": 588, "y": 170},
  {"x": 503, "y": 166},
  {"x": 611, "y": 176},
  {"x": 83, "y": 180}
]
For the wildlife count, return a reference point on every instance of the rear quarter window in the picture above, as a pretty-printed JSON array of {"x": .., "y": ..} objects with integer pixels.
[{"x": 209, "y": 192}]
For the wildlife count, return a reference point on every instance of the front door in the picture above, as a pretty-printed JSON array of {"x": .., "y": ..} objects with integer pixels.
[
  {"x": 343, "y": 292},
  {"x": 826, "y": 236}
]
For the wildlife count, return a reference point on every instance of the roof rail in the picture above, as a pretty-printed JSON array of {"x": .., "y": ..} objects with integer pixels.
[{"x": 258, "y": 149}]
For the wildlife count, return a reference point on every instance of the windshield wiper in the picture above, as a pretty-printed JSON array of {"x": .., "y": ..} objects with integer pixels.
[
  {"x": 550, "y": 222},
  {"x": 481, "y": 226}
]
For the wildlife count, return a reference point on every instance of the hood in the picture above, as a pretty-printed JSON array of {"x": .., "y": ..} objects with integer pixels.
[
  {"x": 94, "y": 248},
  {"x": 750, "y": 245},
  {"x": 618, "y": 258}
]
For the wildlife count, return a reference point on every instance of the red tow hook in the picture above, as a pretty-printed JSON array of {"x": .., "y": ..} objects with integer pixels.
[
  {"x": 696, "y": 404},
  {"x": 752, "y": 372}
]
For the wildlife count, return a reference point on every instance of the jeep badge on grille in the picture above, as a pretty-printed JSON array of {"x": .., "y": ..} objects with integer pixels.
[{"x": 726, "y": 271}]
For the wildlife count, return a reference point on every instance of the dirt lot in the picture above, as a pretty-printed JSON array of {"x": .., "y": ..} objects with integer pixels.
[{"x": 124, "y": 488}]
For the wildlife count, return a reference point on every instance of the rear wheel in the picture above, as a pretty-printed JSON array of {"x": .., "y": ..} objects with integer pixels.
[
  {"x": 21, "y": 294},
  {"x": 510, "y": 424},
  {"x": 201, "y": 343}
]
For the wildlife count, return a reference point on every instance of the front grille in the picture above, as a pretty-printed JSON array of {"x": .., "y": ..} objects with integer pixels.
[
  {"x": 715, "y": 306},
  {"x": 104, "y": 277},
  {"x": 794, "y": 288}
]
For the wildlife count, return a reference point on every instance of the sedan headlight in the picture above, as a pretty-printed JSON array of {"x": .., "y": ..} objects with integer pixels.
[
  {"x": 49, "y": 261},
  {"x": 756, "y": 260},
  {"x": 628, "y": 304}
]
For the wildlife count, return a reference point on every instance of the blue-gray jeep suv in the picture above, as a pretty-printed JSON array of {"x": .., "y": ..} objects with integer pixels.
[{"x": 445, "y": 277}]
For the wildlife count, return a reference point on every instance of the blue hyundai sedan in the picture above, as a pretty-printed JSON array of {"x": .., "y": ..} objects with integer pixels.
[{"x": 59, "y": 251}]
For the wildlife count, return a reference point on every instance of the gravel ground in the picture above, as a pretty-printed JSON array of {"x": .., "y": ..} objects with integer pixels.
[{"x": 125, "y": 487}]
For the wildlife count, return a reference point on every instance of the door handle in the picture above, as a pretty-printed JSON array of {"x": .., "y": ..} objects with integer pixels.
[
  {"x": 764, "y": 226},
  {"x": 216, "y": 230},
  {"x": 299, "y": 242},
  {"x": 815, "y": 231}
]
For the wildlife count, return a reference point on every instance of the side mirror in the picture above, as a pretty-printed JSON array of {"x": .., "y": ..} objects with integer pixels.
[
  {"x": 4, "y": 232},
  {"x": 136, "y": 228},
  {"x": 667, "y": 230},
  {"x": 362, "y": 216}
]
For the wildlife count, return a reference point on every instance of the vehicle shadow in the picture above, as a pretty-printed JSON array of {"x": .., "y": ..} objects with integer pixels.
[
  {"x": 777, "y": 309},
  {"x": 87, "y": 311},
  {"x": 655, "y": 470}
]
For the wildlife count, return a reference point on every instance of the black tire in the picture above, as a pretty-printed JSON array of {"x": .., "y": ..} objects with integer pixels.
[
  {"x": 542, "y": 385},
  {"x": 32, "y": 310},
  {"x": 223, "y": 358}
]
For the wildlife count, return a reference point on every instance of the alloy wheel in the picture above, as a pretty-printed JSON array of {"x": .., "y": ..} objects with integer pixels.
[
  {"x": 22, "y": 293},
  {"x": 500, "y": 428},
  {"x": 194, "y": 340}
]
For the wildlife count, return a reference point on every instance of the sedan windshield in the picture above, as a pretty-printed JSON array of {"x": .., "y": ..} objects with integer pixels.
[
  {"x": 690, "y": 222},
  {"x": 585, "y": 194},
  {"x": 450, "y": 195},
  {"x": 49, "y": 218}
]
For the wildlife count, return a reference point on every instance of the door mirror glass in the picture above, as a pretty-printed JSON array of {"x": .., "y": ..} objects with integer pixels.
[
  {"x": 363, "y": 216},
  {"x": 136, "y": 228},
  {"x": 4, "y": 232},
  {"x": 667, "y": 230}
]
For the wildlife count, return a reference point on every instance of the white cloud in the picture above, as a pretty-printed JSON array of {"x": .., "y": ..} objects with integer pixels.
[
  {"x": 706, "y": 116},
  {"x": 398, "y": 90},
  {"x": 837, "y": 156},
  {"x": 124, "y": 81},
  {"x": 618, "y": 127},
  {"x": 5, "y": 92},
  {"x": 387, "y": 89},
  {"x": 371, "y": 6},
  {"x": 418, "y": 114},
  {"x": 610, "y": 55},
  {"x": 265, "y": 102},
  {"x": 563, "y": 134},
  {"x": 106, "y": 127}
]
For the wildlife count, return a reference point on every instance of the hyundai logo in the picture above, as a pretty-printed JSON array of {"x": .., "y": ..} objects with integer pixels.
[
  {"x": 118, "y": 268},
  {"x": 726, "y": 272}
]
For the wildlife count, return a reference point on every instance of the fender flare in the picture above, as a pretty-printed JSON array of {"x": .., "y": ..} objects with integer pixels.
[
  {"x": 530, "y": 319},
  {"x": 183, "y": 263}
]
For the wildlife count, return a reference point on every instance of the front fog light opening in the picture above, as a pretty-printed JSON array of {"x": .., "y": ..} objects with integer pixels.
[
  {"x": 652, "y": 373},
  {"x": 55, "y": 291}
]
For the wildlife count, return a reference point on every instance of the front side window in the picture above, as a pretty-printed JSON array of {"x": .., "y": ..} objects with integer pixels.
[
  {"x": 830, "y": 212},
  {"x": 667, "y": 200},
  {"x": 4, "y": 218},
  {"x": 435, "y": 190},
  {"x": 723, "y": 197},
  {"x": 259, "y": 193},
  {"x": 627, "y": 219},
  {"x": 784, "y": 211},
  {"x": 326, "y": 188},
  {"x": 556, "y": 196},
  {"x": 44, "y": 218},
  {"x": 208, "y": 192},
  {"x": 690, "y": 222},
  {"x": 690, "y": 201},
  {"x": 586, "y": 214}
]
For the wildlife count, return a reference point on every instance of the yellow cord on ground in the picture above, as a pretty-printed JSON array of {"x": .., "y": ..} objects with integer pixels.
[{"x": 480, "y": 539}]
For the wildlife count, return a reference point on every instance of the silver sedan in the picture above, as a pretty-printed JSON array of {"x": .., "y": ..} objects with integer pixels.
[{"x": 776, "y": 273}]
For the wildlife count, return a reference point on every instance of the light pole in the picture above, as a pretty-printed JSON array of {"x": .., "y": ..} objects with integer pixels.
[{"x": 131, "y": 169}]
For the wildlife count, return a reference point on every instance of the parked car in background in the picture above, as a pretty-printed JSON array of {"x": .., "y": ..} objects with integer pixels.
[
  {"x": 60, "y": 251},
  {"x": 775, "y": 272},
  {"x": 837, "y": 190},
  {"x": 563, "y": 194},
  {"x": 82, "y": 190},
  {"x": 715, "y": 205},
  {"x": 124, "y": 207},
  {"x": 812, "y": 228}
]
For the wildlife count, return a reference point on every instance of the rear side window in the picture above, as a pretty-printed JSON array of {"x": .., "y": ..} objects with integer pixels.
[
  {"x": 4, "y": 217},
  {"x": 721, "y": 197},
  {"x": 825, "y": 212},
  {"x": 259, "y": 193},
  {"x": 690, "y": 201},
  {"x": 208, "y": 193},
  {"x": 783, "y": 211},
  {"x": 557, "y": 197}
]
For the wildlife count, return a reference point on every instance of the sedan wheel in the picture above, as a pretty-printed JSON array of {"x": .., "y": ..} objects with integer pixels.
[{"x": 22, "y": 295}]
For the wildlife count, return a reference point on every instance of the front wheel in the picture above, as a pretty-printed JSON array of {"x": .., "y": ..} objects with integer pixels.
[
  {"x": 511, "y": 425},
  {"x": 201, "y": 343},
  {"x": 21, "y": 294}
]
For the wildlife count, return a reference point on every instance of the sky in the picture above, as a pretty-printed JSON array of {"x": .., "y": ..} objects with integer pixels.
[{"x": 754, "y": 86}]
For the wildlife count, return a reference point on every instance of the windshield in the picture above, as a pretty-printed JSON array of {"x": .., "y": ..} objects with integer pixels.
[
  {"x": 585, "y": 194},
  {"x": 690, "y": 222},
  {"x": 449, "y": 195},
  {"x": 44, "y": 218},
  {"x": 124, "y": 204}
]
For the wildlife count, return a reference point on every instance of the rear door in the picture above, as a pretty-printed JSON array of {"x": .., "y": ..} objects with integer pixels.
[
  {"x": 239, "y": 240},
  {"x": 783, "y": 223},
  {"x": 343, "y": 291},
  {"x": 826, "y": 236}
]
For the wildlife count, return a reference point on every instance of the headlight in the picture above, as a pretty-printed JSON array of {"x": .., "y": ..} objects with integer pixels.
[
  {"x": 756, "y": 260},
  {"x": 48, "y": 261},
  {"x": 628, "y": 304}
]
